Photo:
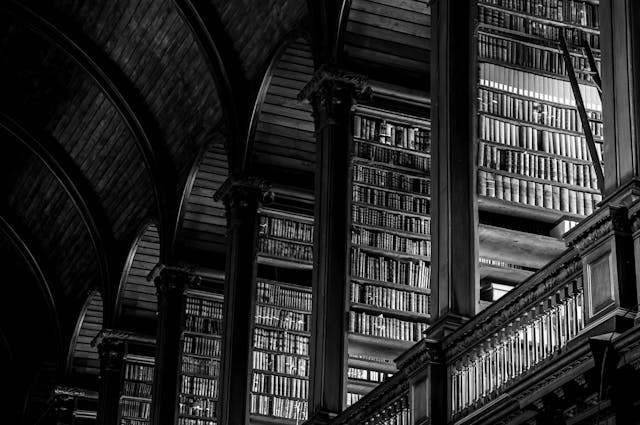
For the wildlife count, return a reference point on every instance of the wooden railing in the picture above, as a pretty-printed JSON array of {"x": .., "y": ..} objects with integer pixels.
[{"x": 515, "y": 335}]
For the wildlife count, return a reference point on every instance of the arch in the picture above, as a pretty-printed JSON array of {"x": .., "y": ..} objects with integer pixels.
[
  {"x": 93, "y": 62},
  {"x": 82, "y": 358},
  {"x": 76, "y": 187},
  {"x": 136, "y": 294}
]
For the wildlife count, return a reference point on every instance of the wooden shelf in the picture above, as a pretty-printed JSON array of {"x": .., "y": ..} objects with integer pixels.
[
  {"x": 392, "y": 147},
  {"x": 201, "y": 356},
  {"x": 405, "y": 233},
  {"x": 279, "y": 329},
  {"x": 285, "y": 262},
  {"x": 398, "y": 314},
  {"x": 392, "y": 189},
  {"x": 392, "y": 254},
  {"x": 291, "y": 309},
  {"x": 391, "y": 168},
  {"x": 368, "y": 344},
  {"x": 399, "y": 286},
  {"x": 199, "y": 375},
  {"x": 390, "y": 209},
  {"x": 139, "y": 398},
  {"x": 539, "y": 180},
  {"x": 535, "y": 152},
  {"x": 372, "y": 365},
  {"x": 288, "y": 375},
  {"x": 358, "y": 386},
  {"x": 517, "y": 209},
  {"x": 201, "y": 334},
  {"x": 258, "y": 419},
  {"x": 267, "y": 350},
  {"x": 283, "y": 239},
  {"x": 535, "y": 71}
]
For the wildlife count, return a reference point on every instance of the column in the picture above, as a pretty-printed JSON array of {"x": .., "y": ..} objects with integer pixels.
[
  {"x": 170, "y": 284},
  {"x": 242, "y": 199},
  {"x": 454, "y": 284},
  {"x": 331, "y": 93},
  {"x": 111, "y": 351}
]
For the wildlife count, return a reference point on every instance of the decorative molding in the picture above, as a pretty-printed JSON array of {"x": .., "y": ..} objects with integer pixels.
[
  {"x": 321, "y": 87},
  {"x": 172, "y": 281},
  {"x": 242, "y": 191},
  {"x": 422, "y": 354},
  {"x": 612, "y": 218},
  {"x": 553, "y": 377},
  {"x": 111, "y": 352},
  {"x": 122, "y": 335}
]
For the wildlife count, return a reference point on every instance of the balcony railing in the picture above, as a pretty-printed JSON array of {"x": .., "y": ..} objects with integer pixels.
[{"x": 515, "y": 335}]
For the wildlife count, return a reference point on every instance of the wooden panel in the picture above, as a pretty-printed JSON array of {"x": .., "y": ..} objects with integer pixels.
[
  {"x": 84, "y": 357},
  {"x": 137, "y": 298}
]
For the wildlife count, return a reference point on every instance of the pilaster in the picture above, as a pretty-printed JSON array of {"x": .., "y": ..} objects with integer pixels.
[{"x": 111, "y": 352}]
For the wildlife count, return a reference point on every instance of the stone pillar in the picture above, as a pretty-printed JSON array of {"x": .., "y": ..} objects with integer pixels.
[
  {"x": 111, "y": 351},
  {"x": 454, "y": 282},
  {"x": 242, "y": 199},
  {"x": 171, "y": 284},
  {"x": 332, "y": 94}
]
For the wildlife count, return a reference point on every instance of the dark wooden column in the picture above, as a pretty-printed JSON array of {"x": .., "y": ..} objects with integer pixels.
[
  {"x": 242, "y": 199},
  {"x": 331, "y": 93},
  {"x": 620, "y": 39},
  {"x": 111, "y": 351},
  {"x": 454, "y": 285},
  {"x": 170, "y": 284}
]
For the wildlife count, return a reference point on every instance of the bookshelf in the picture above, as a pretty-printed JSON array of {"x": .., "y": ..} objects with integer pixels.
[
  {"x": 390, "y": 254},
  {"x": 137, "y": 382},
  {"x": 282, "y": 327},
  {"x": 534, "y": 170},
  {"x": 200, "y": 358}
]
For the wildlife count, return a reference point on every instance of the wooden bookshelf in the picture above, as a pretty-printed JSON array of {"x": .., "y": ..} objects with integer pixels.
[
  {"x": 137, "y": 382},
  {"x": 200, "y": 358},
  {"x": 533, "y": 162},
  {"x": 390, "y": 254},
  {"x": 282, "y": 327}
]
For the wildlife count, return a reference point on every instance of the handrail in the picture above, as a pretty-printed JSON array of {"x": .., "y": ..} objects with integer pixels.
[{"x": 527, "y": 326}]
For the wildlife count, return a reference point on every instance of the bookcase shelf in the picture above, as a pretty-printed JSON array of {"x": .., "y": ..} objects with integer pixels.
[
  {"x": 137, "y": 382},
  {"x": 200, "y": 358},
  {"x": 390, "y": 243},
  {"x": 533, "y": 163}
]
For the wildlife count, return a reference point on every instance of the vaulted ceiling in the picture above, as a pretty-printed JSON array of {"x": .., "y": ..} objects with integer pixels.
[{"x": 117, "y": 114}]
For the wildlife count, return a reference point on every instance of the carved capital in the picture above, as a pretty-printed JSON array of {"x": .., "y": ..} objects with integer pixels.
[
  {"x": 607, "y": 220},
  {"x": 171, "y": 282},
  {"x": 331, "y": 89},
  {"x": 418, "y": 357},
  {"x": 244, "y": 193},
  {"x": 111, "y": 351}
]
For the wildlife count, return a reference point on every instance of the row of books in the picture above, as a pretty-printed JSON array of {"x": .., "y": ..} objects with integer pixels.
[
  {"x": 367, "y": 374},
  {"x": 279, "y": 385},
  {"x": 541, "y": 167},
  {"x": 545, "y": 195},
  {"x": 283, "y": 296},
  {"x": 516, "y": 53},
  {"x": 278, "y": 407},
  {"x": 281, "y": 341},
  {"x": 384, "y": 269},
  {"x": 577, "y": 12},
  {"x": 285, "y": 249},
  {"x": 284, "y": 319},
  {"x": 532, "y": 111},
  {"x": 385, "y": 327},
  {"x": 138, "y": 372},
  {"x": 532, "y": 26},
  {"x": 520, "y": 136},
  {"x": 194, "y": 406},
  {"x": 203, "y": 308},
  {"x": 200, "y": 366},
  {"x": 197, "y": 386},
  {"x": 391, "y": 180},
  {"x": 375, "y": 217},
  {"x": 390, "y": 298},
  {"x": 135, "y": 408},
  {"x": 386, "y": 133},
  {"x": 136, "y": 389},
  {"x": 192, "y": 421},
  {"x": 131, "y": 421},
  {"x": 394, "y": 200},
  {"x": 493, "y": 262},
  {"x": 202, "y": 346},
  {"x": 281, "y": 363},
  {"x": 286, "y": 228},
  {"x": 353, "y": 398},
  {"x": 383, "y": 155},
  {"x": 205, "y": 325},
  {"x": 390, "y": 242},
  {"x": 539, "y": 87}
]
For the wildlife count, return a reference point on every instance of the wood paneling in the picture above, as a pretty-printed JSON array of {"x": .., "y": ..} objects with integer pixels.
[
  {"x": 137, "y": 297},
  {"x": 284, "y": 134},
  {"x": 383, "y": 37},
  {"x": 84, "y": 358}
]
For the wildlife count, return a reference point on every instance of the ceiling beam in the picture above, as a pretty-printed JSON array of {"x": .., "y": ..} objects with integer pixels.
[
  {"x": 85, "y": 200},
  {"x": 327, "y": 19},
  {"x": 226, "y": 69},
  {"x": 122, "y": 95}
]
